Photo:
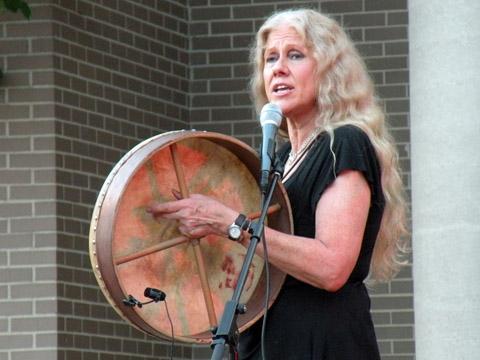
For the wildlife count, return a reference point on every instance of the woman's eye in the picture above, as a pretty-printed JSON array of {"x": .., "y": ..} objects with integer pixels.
[
  {"x": 270, "y": 58},
  {"x": 296, "y": 55}
]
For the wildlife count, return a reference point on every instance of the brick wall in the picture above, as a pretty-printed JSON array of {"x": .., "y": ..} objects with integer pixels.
[
  {"x": 87, "y": 80},
  {"x": 84, "y": 82},
  {"x": 28, "y": 223},
  {"x": 122, "y": 77}
]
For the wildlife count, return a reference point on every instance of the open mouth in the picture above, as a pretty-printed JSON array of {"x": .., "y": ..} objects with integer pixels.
[{"x": 281, "y": 89}]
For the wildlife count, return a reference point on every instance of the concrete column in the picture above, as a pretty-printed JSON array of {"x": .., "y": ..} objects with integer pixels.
[{"x": 445, "y": 143}]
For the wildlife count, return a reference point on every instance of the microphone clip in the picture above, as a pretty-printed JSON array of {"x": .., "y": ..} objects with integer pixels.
[
  {"x": 278, "y": 167},
  {"x": 132, "y": 302}
]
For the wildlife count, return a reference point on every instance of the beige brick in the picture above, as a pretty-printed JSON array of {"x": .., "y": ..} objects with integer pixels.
[
  {"x": 25, "y": 192},
  {"x": 11, "y": 210},
  {"x": 16, "y": 144},
  {"x": 49, "y": 306},
  {"x": 29, "y": 95},
  {"x": 392, "y": 302},
  {"x": 15, "y": 78},
  {"x": 28, "y": 29},
  {"x": 32, "y": 160},
  {"x": 44, "y": 143},
  {"x": 16, "y": 241},
  {"x": 29, "y": 62},
  {"x": 48, "y": 240},
  {"x": 16, "y": 341},
  {"x": 16, "y": 308},
  {"x": 4, "y": 324},
  {"x": 43, "y": 78},
  {"x": 17, "y": 275},
  {"x": 43, "y": 45},
  {"x": 46, "y": 273},
  {"x": 43, "y": 111},
  {"x": 394, "y": 332},
  {"x": 8, "y": 176},
  {"x": 33, "y": 257},
  {"x": 34, "y": 323},
  {"x": 23, "y": 225},
  {"x": 45, "y": 208},
  {"x": 37, "y": 354},
  {"x": 44, "y": 176},
  {"x": 41, "y": 290},
  {"x": 403, "y": 317},
  {"x": 14, "y": 46},
  {"x": 10, "y": 112},
  {"x": 404, "y": 347}
]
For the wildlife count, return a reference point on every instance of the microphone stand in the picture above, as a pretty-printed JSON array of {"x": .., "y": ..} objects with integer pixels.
[{"x": 227, "y": 332}]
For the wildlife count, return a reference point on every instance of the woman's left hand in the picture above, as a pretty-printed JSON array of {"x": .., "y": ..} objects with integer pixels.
[{"x": 198, "y": 215}]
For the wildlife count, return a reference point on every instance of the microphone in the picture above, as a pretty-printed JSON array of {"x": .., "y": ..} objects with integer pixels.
[
  {"x": 154, "y": 294},
  {"x": 270, "y": 119}
]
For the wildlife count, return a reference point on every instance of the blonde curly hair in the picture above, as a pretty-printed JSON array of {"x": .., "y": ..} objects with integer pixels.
[{"x": 345, "y": 95}]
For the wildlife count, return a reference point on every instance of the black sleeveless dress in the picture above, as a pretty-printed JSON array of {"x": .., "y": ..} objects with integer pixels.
[{"x": 306, "y": 322}]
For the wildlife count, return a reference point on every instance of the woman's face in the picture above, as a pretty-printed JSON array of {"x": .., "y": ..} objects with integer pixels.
[{"x": 289, "y": 74}]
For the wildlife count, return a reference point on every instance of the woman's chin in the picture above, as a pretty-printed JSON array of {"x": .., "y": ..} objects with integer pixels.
[{"x": 284, "y": 105}]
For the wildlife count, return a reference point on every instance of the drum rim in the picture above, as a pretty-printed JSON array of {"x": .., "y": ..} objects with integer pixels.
[{"x": 98, "y": 255}]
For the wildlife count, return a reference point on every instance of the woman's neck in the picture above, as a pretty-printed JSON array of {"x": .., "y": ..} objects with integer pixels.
[{"x": 299, "y": 133}]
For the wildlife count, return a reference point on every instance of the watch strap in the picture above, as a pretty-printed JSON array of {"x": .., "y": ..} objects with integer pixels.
[
  {"x": 235, "y": 230},
  {"x": 240, "y": 220}
]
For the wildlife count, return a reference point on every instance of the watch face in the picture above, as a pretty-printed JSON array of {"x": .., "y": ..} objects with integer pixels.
[{"x": 234, "y": 232}]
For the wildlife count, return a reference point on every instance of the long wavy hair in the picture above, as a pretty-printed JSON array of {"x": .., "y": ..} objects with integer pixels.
[{"x": 345, "y": 95}]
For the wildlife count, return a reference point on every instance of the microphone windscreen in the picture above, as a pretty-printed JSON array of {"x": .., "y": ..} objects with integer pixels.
[{"x": 272, "y": 114}]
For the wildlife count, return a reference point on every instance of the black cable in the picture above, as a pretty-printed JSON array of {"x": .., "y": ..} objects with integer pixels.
[
  {"x": 278, "y": 172},
  {"x": 267, "y": 296},
  {"x": 156, "y": 296},
  {"x": 171, "y": 328}
]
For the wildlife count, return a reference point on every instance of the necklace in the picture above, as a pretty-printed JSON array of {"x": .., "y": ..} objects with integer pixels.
[{"x": 294, "y": 155}]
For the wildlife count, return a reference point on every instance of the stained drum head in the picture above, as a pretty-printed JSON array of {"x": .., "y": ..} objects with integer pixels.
[{"x": 130, "y": 251}]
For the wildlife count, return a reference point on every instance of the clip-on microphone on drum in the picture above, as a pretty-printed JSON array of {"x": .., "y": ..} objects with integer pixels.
[{"x": 154, "y": 294}]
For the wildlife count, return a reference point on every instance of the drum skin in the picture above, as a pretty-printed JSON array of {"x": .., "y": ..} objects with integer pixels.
[{"x": 131, "y": 251}]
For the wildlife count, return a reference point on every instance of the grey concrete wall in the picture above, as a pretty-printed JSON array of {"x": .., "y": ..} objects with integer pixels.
[{"x": 445, "y": 132}]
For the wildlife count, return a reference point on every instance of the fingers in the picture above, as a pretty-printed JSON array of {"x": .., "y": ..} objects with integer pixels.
[
  {"x": 161, "y": 209},
  {"x": 158, "y": 209},
  {"x": 196, "y": 204},
  {"x": 194, "y": 232},
  {"x": 177, "y": 194},
  {"x": 197, "y": 216}
]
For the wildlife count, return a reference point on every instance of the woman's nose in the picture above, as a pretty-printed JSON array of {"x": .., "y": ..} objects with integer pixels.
[{"x": 280, "y": 66}]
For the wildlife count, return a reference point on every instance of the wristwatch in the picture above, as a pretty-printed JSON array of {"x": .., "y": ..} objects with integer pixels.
[{"x": 235, "y": 230}]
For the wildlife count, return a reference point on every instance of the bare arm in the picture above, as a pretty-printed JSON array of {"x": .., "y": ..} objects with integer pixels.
[{"x": 325, "y": 261}]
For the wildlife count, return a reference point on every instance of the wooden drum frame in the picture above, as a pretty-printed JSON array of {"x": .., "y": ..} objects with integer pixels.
[{"x": 131, "y": 251}]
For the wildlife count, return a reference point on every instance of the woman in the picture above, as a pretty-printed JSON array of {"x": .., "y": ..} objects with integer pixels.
[{"x": 343, "y": 183}]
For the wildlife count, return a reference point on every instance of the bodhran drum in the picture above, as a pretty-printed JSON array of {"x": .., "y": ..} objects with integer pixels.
[{"x": 131, "y": 251}]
